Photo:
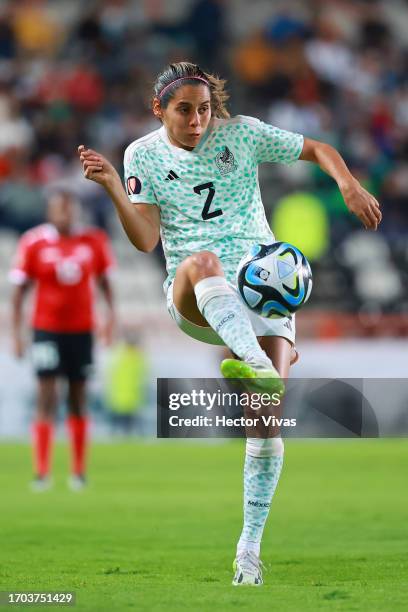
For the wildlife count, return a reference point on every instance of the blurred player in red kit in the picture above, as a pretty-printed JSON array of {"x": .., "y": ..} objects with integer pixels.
[{"x": 63, "y": 261}]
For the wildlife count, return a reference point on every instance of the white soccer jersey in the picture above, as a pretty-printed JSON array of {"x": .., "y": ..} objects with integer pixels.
[{"x": 209, "y": 198}]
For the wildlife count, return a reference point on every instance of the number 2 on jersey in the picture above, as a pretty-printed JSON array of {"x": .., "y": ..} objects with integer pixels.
[{"x": 205, "y": 213}]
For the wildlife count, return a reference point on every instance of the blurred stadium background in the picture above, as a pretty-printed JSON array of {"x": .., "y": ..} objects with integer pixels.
[{"x": 336, "y": 70}]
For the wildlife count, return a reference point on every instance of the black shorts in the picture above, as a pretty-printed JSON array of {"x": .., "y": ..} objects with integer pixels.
[{"x": 62, "y": 354}]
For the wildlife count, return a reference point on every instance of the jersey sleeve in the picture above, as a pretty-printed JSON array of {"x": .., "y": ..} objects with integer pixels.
[
  {"x": 272, "y": 144},
  {"x": 105, "y": 259},
  {"x": 137, "y": 182},
  {"x": 22, "y": 267}
]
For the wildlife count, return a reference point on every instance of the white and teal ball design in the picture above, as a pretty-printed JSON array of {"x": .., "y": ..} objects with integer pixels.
[{"x": 275, "y": 280}]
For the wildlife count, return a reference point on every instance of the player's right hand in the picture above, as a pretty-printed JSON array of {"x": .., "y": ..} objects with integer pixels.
[
  {"x": 18, "y": 347},
  {"x": 96, "y": 167}
]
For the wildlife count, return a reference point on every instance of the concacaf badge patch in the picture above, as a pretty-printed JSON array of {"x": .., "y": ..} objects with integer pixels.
[{"x": 133, "y": 185}]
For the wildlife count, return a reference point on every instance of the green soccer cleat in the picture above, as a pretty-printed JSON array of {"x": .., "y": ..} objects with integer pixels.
[
  {"x": 256, "y": 380},
  {"x": 247, "y": 570}
]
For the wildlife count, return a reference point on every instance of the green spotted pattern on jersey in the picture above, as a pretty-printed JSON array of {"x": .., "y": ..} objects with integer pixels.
[{"x": 209, "y": 198}]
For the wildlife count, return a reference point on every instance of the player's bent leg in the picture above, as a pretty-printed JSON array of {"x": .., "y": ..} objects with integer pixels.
[
  {"x": 192, "y": 270},
  {"x": 43, "y": 432},
  {"x": 77, "y": 426},
  {"x": 202, "y": 295}
]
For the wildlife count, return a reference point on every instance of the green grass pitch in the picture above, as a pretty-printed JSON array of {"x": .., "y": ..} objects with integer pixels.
[{"x": 157, "y": 527}]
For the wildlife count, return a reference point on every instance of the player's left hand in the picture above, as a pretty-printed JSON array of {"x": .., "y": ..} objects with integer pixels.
[
  {"x": 362, "y": 204},
  {"x": 106, "y": 331}
]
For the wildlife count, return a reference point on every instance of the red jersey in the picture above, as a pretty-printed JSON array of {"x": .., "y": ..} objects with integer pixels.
[{"x": 63, "y": 269}]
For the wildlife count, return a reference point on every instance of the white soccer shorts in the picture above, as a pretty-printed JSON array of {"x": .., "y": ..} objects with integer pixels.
[{"x": 262, "y": 327}]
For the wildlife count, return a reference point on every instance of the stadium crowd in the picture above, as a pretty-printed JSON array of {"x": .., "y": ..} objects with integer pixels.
[{"x": 334, "y": 70}]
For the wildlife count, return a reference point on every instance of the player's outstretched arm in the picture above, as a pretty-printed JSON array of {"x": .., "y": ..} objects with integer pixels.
[
  {"x": 357, "y": 199},
  {"x": 141, "y": 222}
]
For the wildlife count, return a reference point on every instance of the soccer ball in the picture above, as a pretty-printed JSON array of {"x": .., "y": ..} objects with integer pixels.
[{"x": 274, "y": 280}]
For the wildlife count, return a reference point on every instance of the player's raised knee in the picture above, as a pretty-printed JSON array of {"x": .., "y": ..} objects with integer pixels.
[{"x": 204, "y": 264}]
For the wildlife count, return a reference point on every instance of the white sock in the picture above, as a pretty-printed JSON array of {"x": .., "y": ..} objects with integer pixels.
[
  {"x": 263, "y": 465},
  {"x": 221, "y": 307}
]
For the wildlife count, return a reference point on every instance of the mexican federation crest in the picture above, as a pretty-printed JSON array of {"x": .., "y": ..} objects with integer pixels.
[{"x": 225, "y": 161}]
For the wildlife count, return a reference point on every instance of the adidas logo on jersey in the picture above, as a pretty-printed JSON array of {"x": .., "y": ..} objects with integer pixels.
[
  {"x": 172, "y": 176},
  {"x": 288, "y": 325}
]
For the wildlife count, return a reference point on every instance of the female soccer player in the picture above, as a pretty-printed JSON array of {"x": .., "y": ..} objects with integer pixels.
[
  {"x": 61, "y": 260},
  {"x": 194, "y": 182}
]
